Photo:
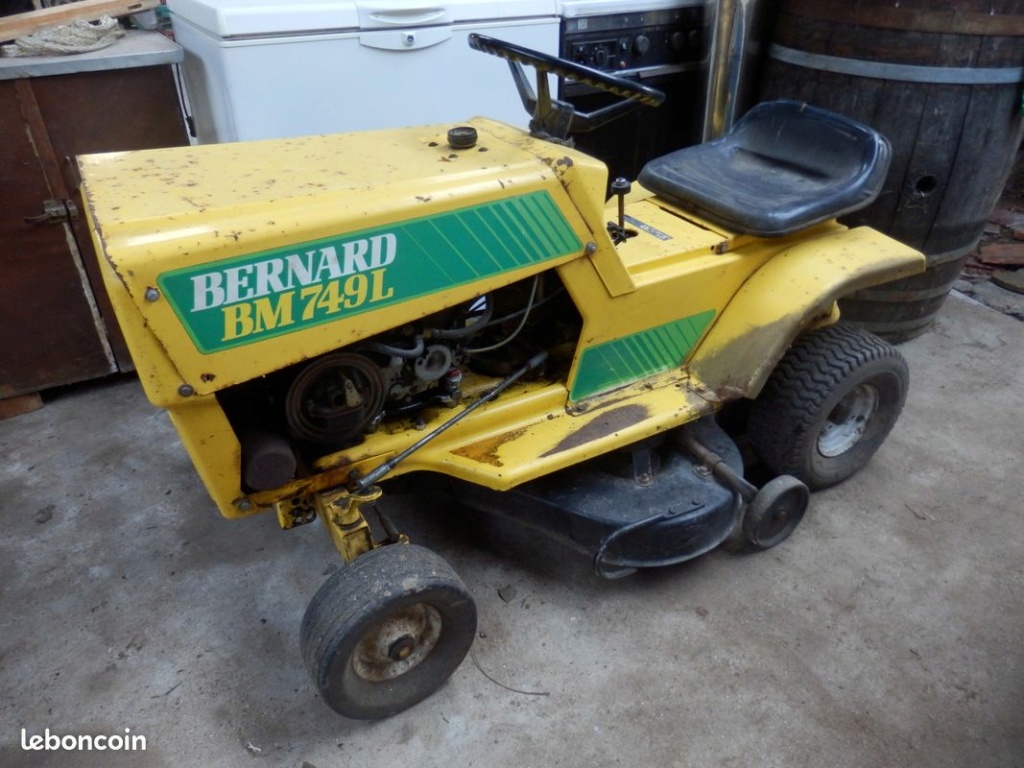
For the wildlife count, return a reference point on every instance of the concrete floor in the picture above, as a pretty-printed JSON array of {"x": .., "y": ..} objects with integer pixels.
[{"x": 888, "y": 631}]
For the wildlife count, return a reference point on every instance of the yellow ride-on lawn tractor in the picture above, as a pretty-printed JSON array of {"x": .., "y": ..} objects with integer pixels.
[{"x": 462, "y": 304}]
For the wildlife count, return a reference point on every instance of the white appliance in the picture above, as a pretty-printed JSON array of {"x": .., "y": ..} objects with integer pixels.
[{"x": 258, "y": 69}]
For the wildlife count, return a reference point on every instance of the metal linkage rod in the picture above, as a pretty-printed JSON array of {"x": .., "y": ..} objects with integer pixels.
[{"x": 374, "y": 476}]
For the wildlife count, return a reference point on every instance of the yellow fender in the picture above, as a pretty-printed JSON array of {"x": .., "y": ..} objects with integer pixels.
[{"x": 793, "y": 292}]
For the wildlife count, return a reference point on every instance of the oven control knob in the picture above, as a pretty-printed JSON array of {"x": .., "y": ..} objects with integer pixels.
[
  {"x": 641, "y": 45},
  {"x": 601, "y": 57},
  {"x": 678, "y": 41}
]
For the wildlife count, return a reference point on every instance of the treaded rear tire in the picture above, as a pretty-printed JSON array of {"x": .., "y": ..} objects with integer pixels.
[{"x": 838, "y": 388}]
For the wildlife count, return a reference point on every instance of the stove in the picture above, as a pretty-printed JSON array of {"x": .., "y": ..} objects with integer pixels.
[{"x": 658, "y": 42}]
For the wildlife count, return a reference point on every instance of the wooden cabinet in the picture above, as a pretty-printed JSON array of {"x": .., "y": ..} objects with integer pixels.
[{"x": 56, "y": 325}]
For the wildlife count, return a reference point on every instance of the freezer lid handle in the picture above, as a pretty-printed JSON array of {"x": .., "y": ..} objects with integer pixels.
[{"x": 380, "y": 14}]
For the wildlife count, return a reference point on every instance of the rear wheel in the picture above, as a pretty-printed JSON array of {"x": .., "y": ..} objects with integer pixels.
[
  {"x": 829, "y": 405},
  {"x": 386, "y": 631}
]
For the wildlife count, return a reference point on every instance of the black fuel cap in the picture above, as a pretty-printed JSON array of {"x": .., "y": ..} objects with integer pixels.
[{"x": 462, "y": 137}]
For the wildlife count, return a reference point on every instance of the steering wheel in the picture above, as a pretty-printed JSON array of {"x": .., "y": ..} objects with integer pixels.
[{"x": 554, "y": 119}]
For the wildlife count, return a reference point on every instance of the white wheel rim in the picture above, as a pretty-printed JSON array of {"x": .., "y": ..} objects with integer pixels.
[{"x": 848, "y": 421}]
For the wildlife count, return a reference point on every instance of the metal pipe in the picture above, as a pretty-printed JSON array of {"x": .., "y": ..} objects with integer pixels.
[
  {"x": 393, "y": 351},
  {"x": 732, "y": 36},
  {"x": 718, "y": 466}
]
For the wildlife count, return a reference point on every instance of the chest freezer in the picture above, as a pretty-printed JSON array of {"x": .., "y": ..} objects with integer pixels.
[{"x": 260, "y": 69}]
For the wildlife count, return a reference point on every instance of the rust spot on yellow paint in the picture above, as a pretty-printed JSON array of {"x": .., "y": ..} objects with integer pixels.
[
  {"x": 605, "y": 423},
  {"x": 486, "y": 451}
]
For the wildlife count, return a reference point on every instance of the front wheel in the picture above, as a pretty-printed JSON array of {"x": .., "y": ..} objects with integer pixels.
[
  {"x": 386, "y": 631},
  {"x": 829, "y": 405}
]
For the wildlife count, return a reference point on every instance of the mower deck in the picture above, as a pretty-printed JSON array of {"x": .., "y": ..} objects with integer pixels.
[{"x": 649, "y": 506}]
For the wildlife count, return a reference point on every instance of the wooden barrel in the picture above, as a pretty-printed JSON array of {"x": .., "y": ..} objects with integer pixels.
[{"x": 942, "y": 80}]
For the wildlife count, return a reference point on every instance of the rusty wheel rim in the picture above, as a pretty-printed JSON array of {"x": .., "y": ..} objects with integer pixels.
[{"x": 398, "y": 644}]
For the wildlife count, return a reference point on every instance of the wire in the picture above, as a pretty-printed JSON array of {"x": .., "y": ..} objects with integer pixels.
[
  {"x": 537, "y": 304},
  {"x": 461, "y": 333},
  {"x": 190, "y": 124},
  {"x": 522, "y": 323},
  {"x": 501, "y": 684}
]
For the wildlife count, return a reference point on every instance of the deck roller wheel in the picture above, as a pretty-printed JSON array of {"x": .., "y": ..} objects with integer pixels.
[{"x": 775, "y": 512}]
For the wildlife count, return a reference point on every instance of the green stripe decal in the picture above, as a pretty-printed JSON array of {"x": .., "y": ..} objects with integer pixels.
[
  {"x": 250, "y": 298},
  {"x": 621, "y": 361}
]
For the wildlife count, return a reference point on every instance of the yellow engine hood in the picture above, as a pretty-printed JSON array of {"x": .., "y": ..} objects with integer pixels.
[{"x": 234, "y": 260}]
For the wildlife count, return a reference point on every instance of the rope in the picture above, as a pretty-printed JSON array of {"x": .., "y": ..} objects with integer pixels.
[{"x": 78, "y": 36}]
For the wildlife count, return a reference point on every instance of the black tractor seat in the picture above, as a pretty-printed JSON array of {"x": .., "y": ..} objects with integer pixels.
[{"x": 783, "y": 167}]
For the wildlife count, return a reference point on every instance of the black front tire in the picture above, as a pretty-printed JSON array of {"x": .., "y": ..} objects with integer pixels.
[
  {"x": 386, "y": 631},
  {"x": 828, "y": 405}
]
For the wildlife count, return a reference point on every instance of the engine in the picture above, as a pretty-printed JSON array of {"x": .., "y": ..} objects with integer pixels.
[{"x": 335, "y": 400}]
